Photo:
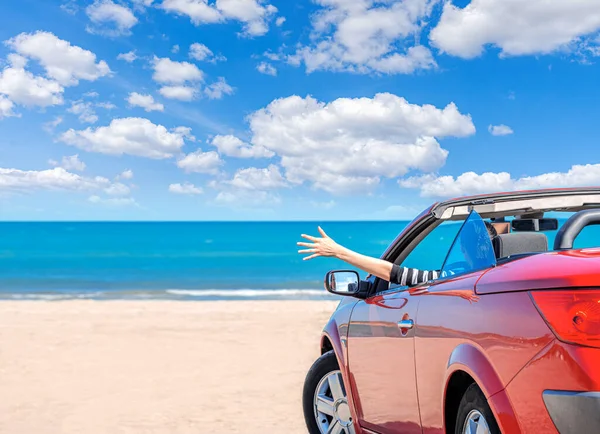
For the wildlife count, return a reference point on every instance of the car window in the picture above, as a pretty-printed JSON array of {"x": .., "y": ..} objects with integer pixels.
[
  {"x": 430, "y": 253},
  {"x": 472, "y": 249}
]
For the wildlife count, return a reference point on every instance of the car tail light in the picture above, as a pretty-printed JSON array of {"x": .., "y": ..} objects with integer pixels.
[{"x": 573, "y": 315}]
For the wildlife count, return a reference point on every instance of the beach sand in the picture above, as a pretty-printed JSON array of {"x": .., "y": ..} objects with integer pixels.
[{"x": 156, "y": 366}]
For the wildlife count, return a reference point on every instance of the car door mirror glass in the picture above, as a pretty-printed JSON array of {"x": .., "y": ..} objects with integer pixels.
[{"x": 343, "y": 282}]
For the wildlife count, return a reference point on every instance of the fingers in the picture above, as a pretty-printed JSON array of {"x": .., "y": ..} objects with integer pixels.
[
  {"x": 322, "y": 232},
  {"x": 310, "y": 257},
  {"x": 307, "y": 251},
  {"x": 307, "y": 244},
  {"x": 309, "y": 237}
]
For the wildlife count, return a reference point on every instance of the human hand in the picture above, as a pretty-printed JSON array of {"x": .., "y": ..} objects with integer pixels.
[{"x": 324, "y": 246}]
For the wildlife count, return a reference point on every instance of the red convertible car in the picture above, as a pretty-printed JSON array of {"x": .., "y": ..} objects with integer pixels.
[{"x": 507, "y": 339}]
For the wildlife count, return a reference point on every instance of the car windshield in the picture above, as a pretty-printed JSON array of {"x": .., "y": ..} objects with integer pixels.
[{"x": 471, "y": 250}]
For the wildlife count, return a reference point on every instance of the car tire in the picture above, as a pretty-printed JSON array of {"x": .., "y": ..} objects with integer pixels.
[
  {"x": 473, "y": 411},
  {"x": 324, "y": 367}
]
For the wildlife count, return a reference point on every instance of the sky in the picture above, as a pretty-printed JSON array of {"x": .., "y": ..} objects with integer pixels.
[{"x": 279, "y": 110}]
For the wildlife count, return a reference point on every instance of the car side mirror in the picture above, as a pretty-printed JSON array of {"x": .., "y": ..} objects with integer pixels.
[{"x": 342, "y": 282}]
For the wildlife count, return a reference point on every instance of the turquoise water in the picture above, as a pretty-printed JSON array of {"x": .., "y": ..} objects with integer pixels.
[
  {"x": 196, "y": 260},
  {"x": 192, "y": 261}
]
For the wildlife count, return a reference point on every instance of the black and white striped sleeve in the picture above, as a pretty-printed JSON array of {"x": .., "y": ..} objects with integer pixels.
[{"x": 411, "y": 276}]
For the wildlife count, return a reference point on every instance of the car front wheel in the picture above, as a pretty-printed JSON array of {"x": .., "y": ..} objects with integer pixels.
[
  {"x": 324, "y": 399},
  {"x": 474, "y": 414}
]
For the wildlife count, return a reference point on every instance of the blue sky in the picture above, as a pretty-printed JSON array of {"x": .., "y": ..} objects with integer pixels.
[{"x": 275, "y": 110}]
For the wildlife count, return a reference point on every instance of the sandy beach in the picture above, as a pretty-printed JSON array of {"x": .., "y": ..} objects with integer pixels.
[{"x": 156, "y": 366}]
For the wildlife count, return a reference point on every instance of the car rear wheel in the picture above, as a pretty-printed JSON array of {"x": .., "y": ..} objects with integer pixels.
[
  {"x": 324, "y": 399},
  {"x": 474, "y": 414}
]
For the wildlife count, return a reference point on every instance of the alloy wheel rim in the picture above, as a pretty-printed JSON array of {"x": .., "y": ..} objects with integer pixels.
[
  {"x": 330, "y": 404},
  {"x": 475, "y": 423}
]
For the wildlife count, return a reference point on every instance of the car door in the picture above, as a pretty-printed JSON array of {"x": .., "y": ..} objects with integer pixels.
[
  {"x": 381, "y": 361},
  {"x": 381, "y": 344}
]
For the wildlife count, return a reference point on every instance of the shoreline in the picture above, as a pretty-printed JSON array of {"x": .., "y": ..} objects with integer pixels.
[
  {"x": 175, "y": 294},
  {"x": 157, "y": 366}
]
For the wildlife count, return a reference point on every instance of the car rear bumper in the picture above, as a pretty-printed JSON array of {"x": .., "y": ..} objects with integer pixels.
[{"x": 573, "y": 412}]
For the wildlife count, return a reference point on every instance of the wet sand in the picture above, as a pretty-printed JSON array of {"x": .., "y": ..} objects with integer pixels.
[{"x": 156, "y": 366}]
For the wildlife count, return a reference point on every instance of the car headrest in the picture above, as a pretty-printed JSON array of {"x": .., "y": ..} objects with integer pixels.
[{"x": 519, "y": 243}]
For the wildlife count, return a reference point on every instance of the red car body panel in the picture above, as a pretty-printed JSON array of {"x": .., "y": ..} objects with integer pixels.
[
  {"x": 558, "y": 366},
  {"x": 483, "y": 324},
  {"x": 384, "y": 400},
  {"x": 479, "y": 338},
  {"x": 565, "y": 269}
]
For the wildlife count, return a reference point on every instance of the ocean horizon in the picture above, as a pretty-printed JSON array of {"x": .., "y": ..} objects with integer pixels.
[
  {"x": 175, "y": 260},
  {"x": 150, "y": 260}
]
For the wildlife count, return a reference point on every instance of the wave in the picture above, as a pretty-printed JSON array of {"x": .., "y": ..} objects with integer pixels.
[
  {"x": 246, "y": 292},
  {"x": 171, "y": 294},
  {"x": 51, "y": 297}
]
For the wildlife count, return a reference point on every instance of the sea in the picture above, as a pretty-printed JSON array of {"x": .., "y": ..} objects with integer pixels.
[
  {"x": 174, "y": 260},
  {"x": 187, "y": 260}
]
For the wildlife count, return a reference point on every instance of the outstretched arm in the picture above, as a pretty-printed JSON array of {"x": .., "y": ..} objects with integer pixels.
[{"x": 325, "y": 246}]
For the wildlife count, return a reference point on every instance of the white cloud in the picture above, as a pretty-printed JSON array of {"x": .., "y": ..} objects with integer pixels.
[
  {"x": 175, "y": 49},
  {"x": 182, "y": 93},
  {"x": 347, "y": 145},
  {"x": 70, "y": 163},
  {"x": 266, "y": 68},
  {"x": 172, "y": 72},
  {"x": 143, "y": 3},
  {"x": 51, "y": 125},
  {"x": 70, "y": 7},
  {"x": 113, "y": 201},
  {"x": 128, "y": 57},
  {"x": 106, "y": 105},
  {"x": 200, "y": 51},
  {"x": 24, "y": 88},
  {"x": 467, "y": 183},
  {"x": 234, "y": 147},
  {"x": 218, "y": 89},
  {"x": 273, "y": 56},
  {"x": 201, "y": 162},
  {"x": 6, "y": 107},
  {"x": 246, "y": 198},
  {"x": 110, "y": 19},
  {"x": 254, "y": 178},
  {"x": 279, "y": 21},
  {"x": 516, "y": 27},
  {"x": 63, "y": 62},
  {"x": 133, "y": 136},
  {"x": 126, "y": 174},
  {"x": 84, "y": 110},
  {"x": 367, "y": 36},
  {"x": 185, "y": 188},
  {"x": 185, "y": 132},
  {"x": 472, "y": 183},
  {"x": 91, "y": 94},
  {"x": 500, "y": 130},
  {"x": 199, "y": 11},
  {"x": 15, "y": 180},
  {"x": 252, "y": 13},
  {"x": 145, "y": 101},
  {"x": 117, "y": 189}
]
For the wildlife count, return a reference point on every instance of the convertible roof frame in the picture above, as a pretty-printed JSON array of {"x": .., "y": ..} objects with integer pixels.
[{"x": 519, "y": 202}]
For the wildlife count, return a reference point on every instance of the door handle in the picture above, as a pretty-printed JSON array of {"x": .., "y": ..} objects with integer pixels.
[{"x": 406, "y": 324}]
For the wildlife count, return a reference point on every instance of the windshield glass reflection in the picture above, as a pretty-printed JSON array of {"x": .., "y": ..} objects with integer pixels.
[{"x": 472, "y": 249}]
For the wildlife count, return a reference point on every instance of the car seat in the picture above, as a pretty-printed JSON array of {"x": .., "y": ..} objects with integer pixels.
[{"x": 506, "y": 245}]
